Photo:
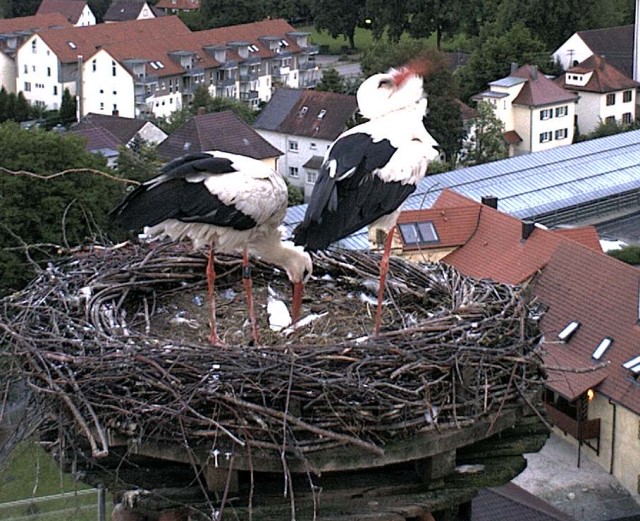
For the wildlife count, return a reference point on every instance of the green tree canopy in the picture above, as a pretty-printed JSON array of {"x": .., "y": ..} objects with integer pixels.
[
  {"x": 444, "y": 123},
  {"x": 68, "y": 108},
  {"x": 488, "y": 142},
  {"x": 66, "y": 210},
  {"x": 339, "y": 18},
  {"x": 331, "y": 81}
]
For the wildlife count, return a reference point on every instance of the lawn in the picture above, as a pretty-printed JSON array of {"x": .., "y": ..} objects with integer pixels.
[
  {"x": 364, "y": 40},
  {"x": 32, "y": 473}
]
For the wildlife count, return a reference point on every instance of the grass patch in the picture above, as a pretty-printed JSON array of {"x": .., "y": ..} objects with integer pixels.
[{"x": 32, "y": 473}]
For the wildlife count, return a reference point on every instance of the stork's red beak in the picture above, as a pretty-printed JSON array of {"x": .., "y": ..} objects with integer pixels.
[{"x": 298, "y": 292}]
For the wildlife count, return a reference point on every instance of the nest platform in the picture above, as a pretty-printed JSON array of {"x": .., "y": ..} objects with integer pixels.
[{"x": 321, "y": 420}]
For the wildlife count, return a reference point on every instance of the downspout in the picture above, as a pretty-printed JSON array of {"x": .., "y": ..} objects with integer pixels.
[{"x": 613, "y": 436}]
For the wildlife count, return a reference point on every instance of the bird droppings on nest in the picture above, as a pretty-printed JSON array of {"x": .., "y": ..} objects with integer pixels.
[{"x": 119, "y": 338}]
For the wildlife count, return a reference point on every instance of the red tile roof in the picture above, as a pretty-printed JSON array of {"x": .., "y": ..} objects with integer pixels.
[
  {"x": 71, "y": 9},
  {"x": 454, "y": 225},
  {"x": 33, "y": 23},
  {"x": 497, "y": 251},
  {"x": 512, "y": 137},
  {"x": 86, "y": 40},
  {"x": 604, "y": 77},
  {"x": 539, "y": 90},
  {"x": 601, "y": 293},
  {"x": 217, "y": 131}
]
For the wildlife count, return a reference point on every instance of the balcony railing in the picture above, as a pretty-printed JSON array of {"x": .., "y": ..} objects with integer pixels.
[
  {"x": 225, "y": 82},
  {"x": 248, "y": 95},
  {"x": 581, "y": 431},
  {"x": 249, "y": 76},
  {"x": 194, "y": 71}
]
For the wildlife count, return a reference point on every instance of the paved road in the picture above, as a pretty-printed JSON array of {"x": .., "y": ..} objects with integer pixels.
[{"x": 587, "y": 493}]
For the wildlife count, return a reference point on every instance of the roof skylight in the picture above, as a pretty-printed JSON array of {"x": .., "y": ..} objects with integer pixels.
[
  {"x": 419, "y": 232},
  {"x": 72, "y": 45},
  {"x": 569, "y": 330},
  {"x": 633, "y": 365},
  {"x": 602, "y": 347}
]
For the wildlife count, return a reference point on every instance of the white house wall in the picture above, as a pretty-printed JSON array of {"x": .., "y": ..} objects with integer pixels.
[
  {"x": 7, "y": 73},
  {"x": 86, "y": 17},
  {"x": 38, "y": 74},
  {"x": 574, "y": 50},
  {"x": 145, "y": 12},
  {"x": 107, "y": 87},
  {"x": 163, "y": 106}
]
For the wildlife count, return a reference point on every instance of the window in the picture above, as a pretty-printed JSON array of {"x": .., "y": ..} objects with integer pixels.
[
  {"x": 311, "y": 177},
  {"x": 49, "y": 72},
  {"x": 94, "y": 65},
  {"x": 626, "y": 96},
  {"x": 26, "y": 69},
  {"x": 546, "y": 114},
  {"x": 611, "y": 99},
  {"x": 27, "y": 86},
  {"x": 418, "y": 233},
  {"x": 113, "y": 68},
  {"x": 626, "y": 118},
  {"x": 293, "y": 146},
  {"x": 602, "y": 347},
  {"x": 545, "y": 137},
  {"x": 610, "y": 119},
  {"x": 101, "y": 105},
  {"x": 569, "y": 330},
  {"x": 293, "y": 171},
  {"x": 562, "y": 111},
  {"x": 33, "y": 47},
  {"x": 562, "y": 133},
  {"x": 321, "y": 114},
  {"x": 55, "y": 90},
  {"x": 312, "y": 146}
]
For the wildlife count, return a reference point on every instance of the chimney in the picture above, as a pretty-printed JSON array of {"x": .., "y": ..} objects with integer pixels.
[
  {"x": 534, "y": 72},
  {"x": 490, "y": 200},
  {"x": 514, "y": 67},
  {"x": 527, "y": 229},
  {"x": 603, "y": 62},
  {"x": 202, "y": 111}
]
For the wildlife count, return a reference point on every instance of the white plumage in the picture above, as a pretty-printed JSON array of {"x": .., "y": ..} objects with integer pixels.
[{"x": 228, "y": 202}]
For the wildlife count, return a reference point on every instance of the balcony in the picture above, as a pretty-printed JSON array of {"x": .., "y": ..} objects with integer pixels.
[
  {"x": 580, "y": 430},
  {"x": 225, "y": 82},
  {"x": 249, "y": 76},
  {"x": 194, "y": 71},
  {"x": 248, "y": 95}
]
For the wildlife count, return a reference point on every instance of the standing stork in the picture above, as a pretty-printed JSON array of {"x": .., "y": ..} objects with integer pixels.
[
  {"x": 370, "y": 169},
  {"x": 228, "y": 202}
]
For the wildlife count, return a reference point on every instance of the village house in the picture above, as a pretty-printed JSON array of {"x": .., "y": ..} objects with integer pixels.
[
  {"x": 178, "y": 6},
  {"x": 591, "y": 326},
  {"x": 123, "y": 10},
  {"x": 13, "y": 33},
  {"x": 131, "y": 69},
  {"x": 223, "y": 131},
  {"x": 606, "y": 94},
  {"x": 304, "y": 123},
  {"x": 536, "y": 113},
  {"x": 77, "y": 12}
]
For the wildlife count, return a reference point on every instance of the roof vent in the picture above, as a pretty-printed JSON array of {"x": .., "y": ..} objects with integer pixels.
[
  {"x": 569, "y": 330},
  {"x": 490, "y": 200},
  {"x": 527, "y": 229}
]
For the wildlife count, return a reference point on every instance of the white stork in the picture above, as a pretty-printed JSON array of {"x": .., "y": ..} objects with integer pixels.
[
  {"x": 228, "y": 202},
  {"x": 370, "y": 169}
]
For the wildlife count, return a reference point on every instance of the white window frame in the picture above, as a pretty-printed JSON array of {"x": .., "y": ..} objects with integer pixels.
[
  {"x": 561, "y": 111},
  {"x": 561, "y": 133},
  {"x": 545, "y": 137},
  {"x": 293, "y": 146},
  {"x": 546, "y": 114},
  {"x": 294, "y": 172}
]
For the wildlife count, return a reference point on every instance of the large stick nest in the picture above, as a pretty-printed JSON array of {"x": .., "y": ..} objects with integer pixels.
[{"x": 114, "y": 342}]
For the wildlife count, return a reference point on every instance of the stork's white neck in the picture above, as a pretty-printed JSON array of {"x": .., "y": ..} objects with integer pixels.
[{"x": 291, "y": 258}]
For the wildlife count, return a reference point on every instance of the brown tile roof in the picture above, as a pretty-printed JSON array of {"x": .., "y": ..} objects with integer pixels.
[
  {"x": 585, "y": 235},
  {"x": 602, "y": 294},
  {"x": 454, "y": 225},
  {"x": 616, "y": 43},
  {"x": 97, "y": 138},
  {"x": 322, "y": 115},
  {"x": 71, "y": 9},
  {"x": 37, "y": 22},
  {"x": 512, "y": 137},
  {"x": 123, "y": 129},
  {"x": 217, "y": 131},
  {"x": 604, "y": 78},
  {"x": 539, "y": 90},
  {"x": 496, "y": 250},
  {"x": 121, "y": 10},
  {"x": 86, "y": 40},
  {"x": 182, "y": 5},
  {"x": 466, "y": 111},
  {"x": 509, "y": 502}
]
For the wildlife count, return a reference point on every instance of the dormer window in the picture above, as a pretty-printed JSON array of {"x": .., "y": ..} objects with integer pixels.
[
  {"x": 568, "y": 331},
  {"x": 418, "y": 233}
]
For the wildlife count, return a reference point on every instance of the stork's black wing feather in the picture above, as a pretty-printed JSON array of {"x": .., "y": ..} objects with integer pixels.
[
  {"x": 171, "y": 195},
  {"x": 352, "y": 198}
]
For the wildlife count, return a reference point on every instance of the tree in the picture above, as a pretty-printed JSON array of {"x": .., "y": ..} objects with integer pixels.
[
  {"x": 138, "y": 162},
  {"x": 381, "y": 57},
  {"x": 390, "y": 17},
  {"x": 99, "y": 8},
  {"x": 22, "y": 109},
  {"x": 488, "y": 141},
  {"x": 67, "y": 210},
  {"x": 444, "y": 123},
  {"x": 222, "y": 13},
  {"x": 436, "y": 16},
  {"x": 493, "y": 58},
  {"x": 68, "y": 108},
  {"x": 4, "y": 99},
  {"x": 339, "y": 18},
  {"x": 331, "y": 81}
]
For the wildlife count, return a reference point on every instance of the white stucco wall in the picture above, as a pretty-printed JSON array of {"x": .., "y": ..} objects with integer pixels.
[
  {"x": 573, "y": 50},
  {"x": 38, "y": 74},
  {"x": 107, "y": 87},
  {"x": 86, "y": 18},
  {"x": 7, "y": 73}
]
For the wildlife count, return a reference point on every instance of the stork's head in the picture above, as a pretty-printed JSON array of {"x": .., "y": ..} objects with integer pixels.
[
  {"x": 298, "y": 265},
  {"x": 396, "y": 89}
]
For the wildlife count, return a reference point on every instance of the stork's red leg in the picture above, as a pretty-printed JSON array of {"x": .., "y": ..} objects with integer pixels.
[
  {"x": 298, "y": 293},
  {"x": 248, "y": 286},
  {"x": 211, "y": 278},
  {"x": 384, "y": 268}
]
